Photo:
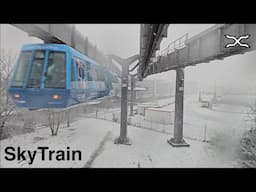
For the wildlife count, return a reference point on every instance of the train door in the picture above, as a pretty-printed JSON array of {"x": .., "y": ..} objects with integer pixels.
[
  {"x": 101, "y": 81},
  {"x": 55, "y": 71},
  {"x": 78, "y": 79},
  {"x": 73, "y": 75},
  {"x": 91, "y": 80}
]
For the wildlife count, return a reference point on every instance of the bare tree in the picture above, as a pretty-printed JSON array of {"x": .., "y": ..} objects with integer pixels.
[
  {"x": 55, "y": 118},
  {"x": 6, "y": 106},
  {"x": 54, "y": 123}
]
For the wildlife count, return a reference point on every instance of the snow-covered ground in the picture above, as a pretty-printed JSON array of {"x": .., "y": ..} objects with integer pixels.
[
  {"x": 148, "y": 149},
  {"x": 95, "y": 139}
]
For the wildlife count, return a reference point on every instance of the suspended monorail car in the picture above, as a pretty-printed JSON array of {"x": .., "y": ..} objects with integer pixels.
[{"x": 57, "y": 76}]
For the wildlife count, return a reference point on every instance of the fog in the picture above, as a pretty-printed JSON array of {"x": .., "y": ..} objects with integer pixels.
[
  {"x": 123, "y": 40},
  {"x": 118, "y": 39}
]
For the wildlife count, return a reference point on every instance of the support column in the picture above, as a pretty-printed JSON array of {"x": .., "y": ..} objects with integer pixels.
[
  {"x": 132, "y": 94},
  {"x": 155, "y": 88},
  {"x": 0, "y": 58},
  {"x": 178, "y": 140},
  {"x": 68, "y": 117},
  {"x": 123, "y": 139}
]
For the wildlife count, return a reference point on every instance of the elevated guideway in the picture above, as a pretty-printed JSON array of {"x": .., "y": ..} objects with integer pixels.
[
  {"x": 217, "y": 42},
  {"x": 67, "y": 34},
  {"x": 205, "y": 47}
]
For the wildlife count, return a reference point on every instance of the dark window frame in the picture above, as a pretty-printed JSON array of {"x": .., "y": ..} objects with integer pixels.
[{"x": 18, "y": 67}]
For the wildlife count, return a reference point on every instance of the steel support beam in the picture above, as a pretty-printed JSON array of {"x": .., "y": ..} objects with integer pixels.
[
  {"x": 123, "y": 139},
  {"x": 206, "y": 46},
  {"x": 178, "y": 140},
  {"x": 0, "y": 59},
  {"x": 150, "y": 39},
  {"x": 125, "y": 63}
]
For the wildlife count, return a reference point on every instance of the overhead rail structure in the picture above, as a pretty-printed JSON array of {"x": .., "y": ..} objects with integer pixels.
[
  {"x": 150, "y": 39},
  {"x": 67, "y": 34},
  {"x": 125, "y": 63},
  {"x": 217, "y": 42},
  {"x": 213, "y": 43}
]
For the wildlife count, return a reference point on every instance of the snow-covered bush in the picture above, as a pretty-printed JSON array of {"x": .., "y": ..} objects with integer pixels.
[
  {"x": 248, "y": 147},
  {"x": 248, "y": 142},
  {"x": 6, "y": 106}
]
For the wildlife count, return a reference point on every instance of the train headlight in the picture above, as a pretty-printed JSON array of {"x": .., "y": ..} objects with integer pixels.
[
  {"x": 16, "y": 96},
  {"x": 56, "y": 97}
]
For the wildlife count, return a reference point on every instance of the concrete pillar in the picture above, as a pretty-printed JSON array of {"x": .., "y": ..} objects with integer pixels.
[
  {"x": 123, "y": 139},
  {"x": 0, "y": 58},
  {"x": 132, "y": 94},
  {"x": 178, "y": 140},
  {"x": 155, "y": 87}
]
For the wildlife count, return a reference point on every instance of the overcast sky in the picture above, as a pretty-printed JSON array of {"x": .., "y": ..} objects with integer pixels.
[{"x": 123, "y": 40}]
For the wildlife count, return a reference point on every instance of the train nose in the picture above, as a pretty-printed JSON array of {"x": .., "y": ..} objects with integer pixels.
[{"x": 18, "y": 99}]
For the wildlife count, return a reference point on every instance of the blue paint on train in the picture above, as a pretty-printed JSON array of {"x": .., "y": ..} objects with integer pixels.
[{"x": 57, "y": 76}]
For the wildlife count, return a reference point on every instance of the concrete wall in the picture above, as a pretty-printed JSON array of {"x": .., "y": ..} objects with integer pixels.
[
  {"x": 142, "y": 107},
  {"x": 159, "y": 115}
]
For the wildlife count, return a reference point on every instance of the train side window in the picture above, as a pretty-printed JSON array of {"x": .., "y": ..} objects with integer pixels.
[
  {"x": 72, "y": 72},
  {"x": 100, "y": 74},
  {"x": 92, "y": 76}
]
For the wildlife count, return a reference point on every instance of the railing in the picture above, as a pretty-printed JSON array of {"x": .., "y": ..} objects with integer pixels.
[{"x": 177, "y": 44}]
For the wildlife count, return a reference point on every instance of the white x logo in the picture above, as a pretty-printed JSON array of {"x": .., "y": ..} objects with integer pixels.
[{"x": 237, "y": 41}]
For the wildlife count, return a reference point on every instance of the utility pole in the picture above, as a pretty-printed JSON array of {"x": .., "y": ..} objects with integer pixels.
[{"x": 178, "y": 140}]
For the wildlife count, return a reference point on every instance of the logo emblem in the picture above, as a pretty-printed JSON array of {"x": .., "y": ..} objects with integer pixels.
[{"x": 237, "y": 41}]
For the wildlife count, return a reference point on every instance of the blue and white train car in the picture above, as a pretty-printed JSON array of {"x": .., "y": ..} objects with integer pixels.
[{"x": 57, "y": 76}]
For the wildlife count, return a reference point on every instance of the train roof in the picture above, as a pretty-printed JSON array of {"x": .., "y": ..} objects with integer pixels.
[{"x": 59, "y": 47}]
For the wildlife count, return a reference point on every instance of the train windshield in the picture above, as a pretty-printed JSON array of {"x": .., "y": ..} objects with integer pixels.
[
  {"x": 22, "y": 66},
  {"x": 56, "y": 70},
  {"x": 36, "y": 70}
]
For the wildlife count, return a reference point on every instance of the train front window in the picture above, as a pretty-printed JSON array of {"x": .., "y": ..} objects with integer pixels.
[
  {"x": 22, "y": 66},
  {"x": 56, "y": 70},
  {"x": 36, "y": 70}
]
